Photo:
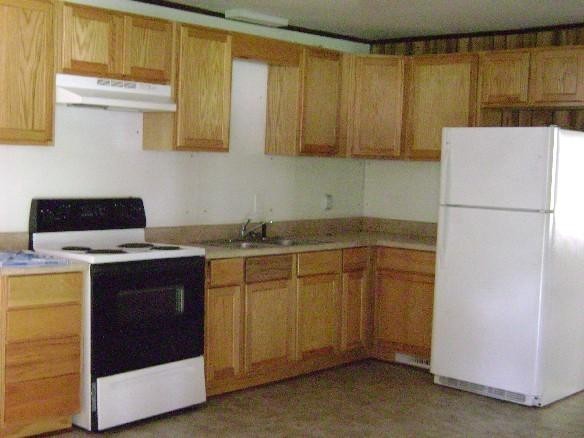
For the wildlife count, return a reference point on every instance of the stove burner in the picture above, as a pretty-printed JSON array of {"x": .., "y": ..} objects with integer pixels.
[
  {"x": 105, "y": 251},
  {"x": 135, "y": 245},
  {"x": 164, "y": 247},
  {"x": 76, "y": 248}
]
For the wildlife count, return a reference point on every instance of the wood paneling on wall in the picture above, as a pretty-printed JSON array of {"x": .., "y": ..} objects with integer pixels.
[{"x": 570, "y": 35}]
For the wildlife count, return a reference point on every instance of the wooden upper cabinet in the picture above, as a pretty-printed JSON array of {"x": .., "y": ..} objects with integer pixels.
[
  {"x": 203, "y": 89},
  {"x": 374, "y": 121},
  {"x": 320, "y": 102},
  {"x": 440, "y": 92},
  {"x": 92, "y": 41},
  {"x": 504, "y": 78},
  {"x": 148, "y": 49},
  {"x": 557, "y": 76},
  {"x": 26, "y": 72},
  {"x": 283, "y": 110},
  {"x": 102, "y": 42}
]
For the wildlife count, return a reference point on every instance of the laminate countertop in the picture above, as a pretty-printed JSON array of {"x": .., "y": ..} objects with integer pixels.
[{"x": 323, "y": 243}]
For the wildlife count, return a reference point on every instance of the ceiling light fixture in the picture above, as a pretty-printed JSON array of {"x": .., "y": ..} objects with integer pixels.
[{"x": 255, "y": 18}]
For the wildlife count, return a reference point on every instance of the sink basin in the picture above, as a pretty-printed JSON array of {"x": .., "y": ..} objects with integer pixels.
[
  {"x": 284, "y": 241},
  {"x": 263, "y": 243}
]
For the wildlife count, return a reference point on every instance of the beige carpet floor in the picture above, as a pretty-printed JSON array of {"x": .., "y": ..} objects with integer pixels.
[{"x": 369, "y": 398}]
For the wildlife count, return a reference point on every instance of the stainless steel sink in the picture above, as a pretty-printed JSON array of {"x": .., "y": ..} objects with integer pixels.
[
  {"x": 286, "y": 241},
  {"x": 265, "y": 242}
]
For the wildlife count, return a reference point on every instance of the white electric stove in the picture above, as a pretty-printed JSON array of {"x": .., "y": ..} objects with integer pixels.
[{"x": 143, "y": 309}]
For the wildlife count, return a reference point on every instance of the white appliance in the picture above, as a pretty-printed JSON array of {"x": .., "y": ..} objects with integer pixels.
[
  {"x": 114, "y": 94},
  {"x": 509, "y": 297},
  {"x": 142, "y": 312}
]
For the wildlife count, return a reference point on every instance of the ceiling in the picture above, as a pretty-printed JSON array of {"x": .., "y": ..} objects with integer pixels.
[{"x": 385, "y": 19}]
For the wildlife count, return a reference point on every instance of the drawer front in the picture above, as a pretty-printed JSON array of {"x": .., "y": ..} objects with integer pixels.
[
  {"x": 42, "y": 359},
  {"x": 43, "y": 323},
  {"x": 225, "y": 272},
  {"x": 320, "y": 262},
  {"x": 35, "y": 290},
  {"x": 268, "y": 268},
  {"x": 406, "y": 260},
  {"x": 31, "y": 400},
  {"x": 355, "y": 259}
]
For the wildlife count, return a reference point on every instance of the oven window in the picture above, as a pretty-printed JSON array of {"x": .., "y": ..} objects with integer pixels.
[
  {"x": 149, "y": 304},
  {"x": 146, "y": 313}
]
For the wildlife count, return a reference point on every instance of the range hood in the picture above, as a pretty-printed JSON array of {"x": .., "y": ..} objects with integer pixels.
[{"x": 115, "y": 94}]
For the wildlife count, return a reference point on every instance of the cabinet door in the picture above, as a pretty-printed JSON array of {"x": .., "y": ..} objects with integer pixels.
[
  {"x": 354, "y": 310},
  {"x": 148, "y": 49},
  {"x": 403, "y": 312},
  {"x": 320, "y": 106},
  {"x": 92, "y": 41},
  {"x": 557, "y": 76},
  {"x": 223, "y": 332},
  {"x": 204, "y": 84},
  {"x": 504, "y": 78},
  {"x": 269, "y": 325},
  {"x": 377, "y": 107},
  {"x": 283, "y": 115},
  {"x": 440, "y": 92},
  {"x": 318, "y": 315},
  {"x": 26, "y": 72}
]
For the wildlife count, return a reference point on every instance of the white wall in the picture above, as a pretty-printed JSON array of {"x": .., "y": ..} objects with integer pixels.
[
  {"x": 99, "y": 153},
  {"x": 402, "y": 190}
]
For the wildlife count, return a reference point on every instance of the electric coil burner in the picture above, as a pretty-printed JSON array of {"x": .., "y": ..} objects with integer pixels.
[{"x": 142, "y": 310}]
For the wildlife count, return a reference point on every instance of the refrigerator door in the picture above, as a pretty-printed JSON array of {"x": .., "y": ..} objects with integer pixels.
[
  {"x": 509, "y": 168},
  {"x": 487, "y": 297}
]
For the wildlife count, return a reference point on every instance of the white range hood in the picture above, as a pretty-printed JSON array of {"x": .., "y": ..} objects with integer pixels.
[{"x": 115, "y": 94}]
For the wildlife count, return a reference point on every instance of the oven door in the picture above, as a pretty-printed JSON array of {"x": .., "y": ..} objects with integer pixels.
[{"x": 145, "y": 313}]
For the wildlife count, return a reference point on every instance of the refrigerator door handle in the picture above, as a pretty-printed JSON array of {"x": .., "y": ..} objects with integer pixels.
[
  {"x": 445, "y": 187},
  {"x": 443, "y": 235}
]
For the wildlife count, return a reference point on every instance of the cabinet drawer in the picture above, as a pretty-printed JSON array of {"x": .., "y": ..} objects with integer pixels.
[
  {"x": 42, "y": 359},
  {"x": 321, "y": 262},
  {"x": 406, "y": 260},
  {"x": 43, "y": 323},
  {"x": 355, "y": 259},
  {"x": 35, "y": 399},
  {"x": 225, "y": 272},
  {"x": 39, "y": 290},
  {"x": 268, "y": 268}
]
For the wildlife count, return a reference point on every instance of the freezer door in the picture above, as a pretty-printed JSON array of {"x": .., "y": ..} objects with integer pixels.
[
  {"x": 511, "y": 168},
  {"x": 486, "y": 301}
]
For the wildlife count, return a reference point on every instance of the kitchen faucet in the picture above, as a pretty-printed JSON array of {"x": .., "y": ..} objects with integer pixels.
[{"x": 244, "y": 233}]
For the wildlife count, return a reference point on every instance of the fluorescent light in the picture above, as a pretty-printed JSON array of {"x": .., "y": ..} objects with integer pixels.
[{"x": 255, "y": 18}]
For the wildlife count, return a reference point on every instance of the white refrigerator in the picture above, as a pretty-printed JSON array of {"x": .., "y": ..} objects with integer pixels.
[{"x": 509, "y": 298}]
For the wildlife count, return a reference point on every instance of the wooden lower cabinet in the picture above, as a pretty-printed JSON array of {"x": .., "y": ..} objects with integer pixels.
[
  {"x": 279, "y": 316},
  {"x": 355, "y": 302},
  {"x": 224, "y": 332},
  {"x": 269, "y": 325},
  {"x": 224, "y": 321},
  {"x": 404, "y": 296},
  {"x": 41, "y": 352},
  {"x": 318, "y": 315}
]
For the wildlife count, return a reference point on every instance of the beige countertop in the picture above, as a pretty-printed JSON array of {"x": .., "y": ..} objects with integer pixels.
[{"x": 340, "y": 241}]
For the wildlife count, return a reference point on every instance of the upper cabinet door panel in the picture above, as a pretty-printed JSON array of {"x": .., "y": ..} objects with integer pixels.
[
  {"x": 148, "y": 49},
  {"x": 26, "y": 71},
  {"x": 92, "y": 41},
  {"x": 321, "y": 96},
  {"x": 557, "y": 76},
  {"x": 504, "y": 78},
  {"x": 441, "y": 92},
  {"x": 377, "y": 108},
  {"x": 204, "y": 86}
]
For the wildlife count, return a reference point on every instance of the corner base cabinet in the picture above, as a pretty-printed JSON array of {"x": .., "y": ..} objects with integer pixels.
[
  {"x": 40, "y": 358},
  {"x": 404, "y": 296}
]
